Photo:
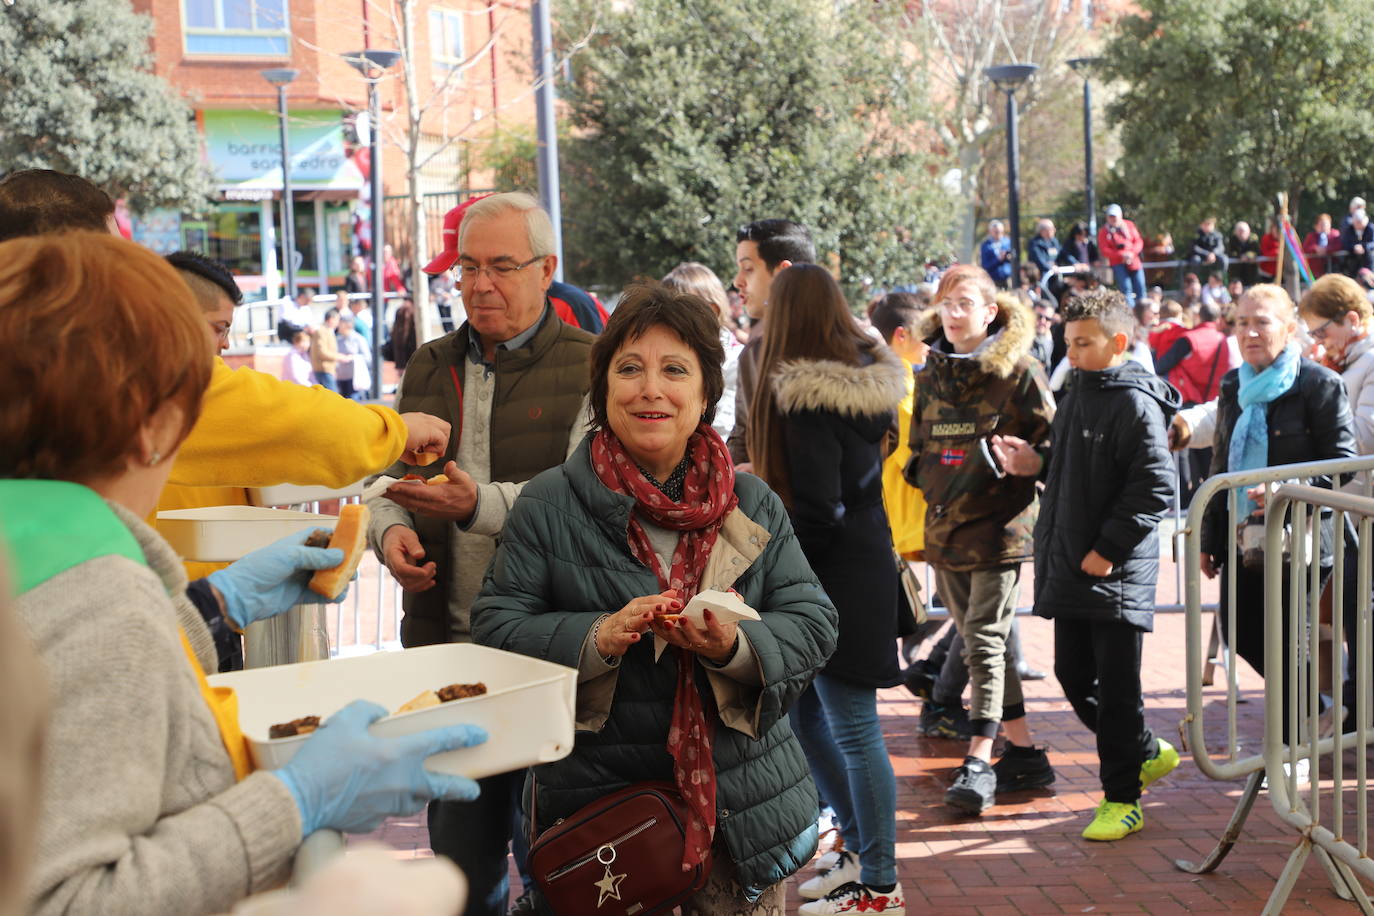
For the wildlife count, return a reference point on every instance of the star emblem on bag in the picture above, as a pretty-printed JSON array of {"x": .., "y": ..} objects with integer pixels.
[{"x": 609, "y": 887}]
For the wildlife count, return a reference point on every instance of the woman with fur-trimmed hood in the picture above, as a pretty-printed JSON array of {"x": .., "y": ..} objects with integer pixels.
[
  {"x": 980, "y": 381},
  {"x": 827, "y": 396}
]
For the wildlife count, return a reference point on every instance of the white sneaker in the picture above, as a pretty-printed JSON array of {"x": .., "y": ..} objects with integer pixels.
[
  {"x": 828, "y": 861},
  {"x": 855, "y": 898},
  {"x": 844, "y": 871},
  {"x": 1304, "y": 769}
]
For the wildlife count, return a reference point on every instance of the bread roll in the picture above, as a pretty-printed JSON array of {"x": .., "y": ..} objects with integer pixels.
[
  {"x": 425, "y": 459},
  {"x": 350, "y": 536},
  {"x": 423, "y": 701}
]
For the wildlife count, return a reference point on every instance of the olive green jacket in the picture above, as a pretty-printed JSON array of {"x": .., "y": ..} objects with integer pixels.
[
  {"x": 540, "y": 390},
  {"x": 974, "y": 518}
]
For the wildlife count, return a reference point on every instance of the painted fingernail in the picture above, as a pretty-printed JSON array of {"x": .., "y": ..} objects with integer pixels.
[{"x": 708, "y": 615}]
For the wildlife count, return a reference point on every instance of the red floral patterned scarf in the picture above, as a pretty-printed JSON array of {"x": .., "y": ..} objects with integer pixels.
[{"x": 708, "y": 496}]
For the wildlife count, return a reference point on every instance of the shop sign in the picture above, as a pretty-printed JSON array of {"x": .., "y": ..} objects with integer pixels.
[{"x": 244, "y": 148}]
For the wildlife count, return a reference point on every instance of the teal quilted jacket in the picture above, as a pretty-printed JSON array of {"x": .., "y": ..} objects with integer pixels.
[{"x": 564, "y": 560}]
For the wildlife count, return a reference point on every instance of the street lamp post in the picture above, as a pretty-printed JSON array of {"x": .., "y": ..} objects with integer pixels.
[
  {"x": 281, "y": 77},
  {"x": 547, "y": 126},
  {"x": 373, "y": 64},
  {"x": 1083, "y": 67},
  {"x": 1008, "y": 78}
]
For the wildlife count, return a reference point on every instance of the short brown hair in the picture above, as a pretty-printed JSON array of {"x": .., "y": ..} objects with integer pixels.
[
  {"x": 41, "y": 201},
  {"x": 98, "y": 334},
  {"x": 1106, "y": 306},
  {"x": 648, "y": 305},
  {"x": 962, "y": 272},
  {"x": 896, "y": 310},
  {"x": 1332, "y": 296}
]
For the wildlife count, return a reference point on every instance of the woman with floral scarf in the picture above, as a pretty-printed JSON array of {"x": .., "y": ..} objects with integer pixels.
[{"x": 599, "y": 558}]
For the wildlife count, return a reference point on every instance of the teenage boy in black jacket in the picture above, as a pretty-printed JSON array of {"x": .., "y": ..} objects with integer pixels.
[{"x": 1108, "y": 481}]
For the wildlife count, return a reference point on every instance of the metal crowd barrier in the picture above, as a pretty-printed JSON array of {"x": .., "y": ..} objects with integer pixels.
[
  {"x": 1181, "y": 267},
  {"x": 255, "y": 323},
  {"x": 1298, "y": 680},
  {"x": 1228, "y": 763}
]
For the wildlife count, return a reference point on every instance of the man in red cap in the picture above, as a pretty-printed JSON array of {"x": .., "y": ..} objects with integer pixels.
[{"x": 575, "y": 306}]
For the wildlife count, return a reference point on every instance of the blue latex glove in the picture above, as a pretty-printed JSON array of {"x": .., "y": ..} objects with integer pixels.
[
  {"x": 344, "y": 778},
  {"x": 271, "y": 579}
]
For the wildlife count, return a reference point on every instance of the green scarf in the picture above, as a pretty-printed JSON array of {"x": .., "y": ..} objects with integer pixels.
[{"x": 52, "y": 526}]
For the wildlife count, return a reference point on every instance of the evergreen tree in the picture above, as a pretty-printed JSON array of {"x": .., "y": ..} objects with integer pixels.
[
  {"x": 1227, "y": 102},
  {"x": 691, "y": 117},
  {"x": 77, "y": 94}
]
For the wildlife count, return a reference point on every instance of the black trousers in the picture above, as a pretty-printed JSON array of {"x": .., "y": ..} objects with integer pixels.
[
  {"x": 476, "y": 836},
  {"x": 1250, "y": 621},
  {"x": 1354, "y": 652},
  {"x": 1098, "y": 665}
]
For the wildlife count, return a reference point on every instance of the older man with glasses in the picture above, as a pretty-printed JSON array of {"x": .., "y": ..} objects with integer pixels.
[{"x": 512, "y": 380}]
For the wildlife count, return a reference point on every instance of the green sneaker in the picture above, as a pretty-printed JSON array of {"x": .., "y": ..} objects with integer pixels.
[
  {"x": 1114, "y": 820},
  {"x": 1164, "y": 762}
]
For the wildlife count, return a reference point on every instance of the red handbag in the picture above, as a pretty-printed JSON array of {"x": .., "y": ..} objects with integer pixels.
[{"x": 621, "y": 854}]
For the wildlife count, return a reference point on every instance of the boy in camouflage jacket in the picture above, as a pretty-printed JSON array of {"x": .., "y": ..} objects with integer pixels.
[{"x": 979, "y": 381}]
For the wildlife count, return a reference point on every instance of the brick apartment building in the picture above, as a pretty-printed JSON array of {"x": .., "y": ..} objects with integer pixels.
[{"x": 470, "y": 59}]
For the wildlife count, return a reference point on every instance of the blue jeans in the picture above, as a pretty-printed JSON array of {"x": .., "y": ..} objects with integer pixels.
[
  {"x": 812, "y": 729},
  {"x": 327, "y": 380},
  {"x": 1130, "y": 282},
  {"x": 852, "y": 714}
]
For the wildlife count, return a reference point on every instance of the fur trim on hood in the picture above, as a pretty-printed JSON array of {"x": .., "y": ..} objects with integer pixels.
[
  {"x": 824, "y": 384},
  {"x": 1014, "y": 328}
]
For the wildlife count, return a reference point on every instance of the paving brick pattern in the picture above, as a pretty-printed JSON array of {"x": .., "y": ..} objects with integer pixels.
[{"x": 1026, "y": 855}]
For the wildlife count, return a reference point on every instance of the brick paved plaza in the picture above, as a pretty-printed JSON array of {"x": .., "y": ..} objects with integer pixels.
[{"x": 1026, "y": 856}]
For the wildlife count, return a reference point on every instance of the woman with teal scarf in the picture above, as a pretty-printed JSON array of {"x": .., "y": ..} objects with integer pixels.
[{"x": 1277, "y": 408}]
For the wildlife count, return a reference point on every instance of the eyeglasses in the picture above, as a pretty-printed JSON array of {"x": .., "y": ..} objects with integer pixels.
[
  {"x": 1319, "y": 333},
  {"x": 470, "y": 272},
  {"x": 964, "y": 306}
]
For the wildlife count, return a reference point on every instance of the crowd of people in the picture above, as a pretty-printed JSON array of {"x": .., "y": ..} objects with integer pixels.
[
  {"x": 1121, "y": 250},
  {"x": 602, "y": 469}
]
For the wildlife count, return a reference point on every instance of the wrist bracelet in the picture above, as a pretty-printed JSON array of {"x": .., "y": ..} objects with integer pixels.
[{"x": 596, "y": 631}]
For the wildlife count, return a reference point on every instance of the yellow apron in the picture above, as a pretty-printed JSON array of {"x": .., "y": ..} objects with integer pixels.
[{"x": 224, "y": 706}]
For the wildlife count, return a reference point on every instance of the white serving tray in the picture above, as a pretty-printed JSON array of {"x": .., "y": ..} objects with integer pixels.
[
  {"x": 288, "y": 494},
  {"x": 222, "y": 534},
  {"x": 528, "y": 710}
]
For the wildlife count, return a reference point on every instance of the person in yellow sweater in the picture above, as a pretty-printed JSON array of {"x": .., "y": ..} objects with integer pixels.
[
  {"x": 256, "y": 430},
  {"x": 896, "y": 317}
]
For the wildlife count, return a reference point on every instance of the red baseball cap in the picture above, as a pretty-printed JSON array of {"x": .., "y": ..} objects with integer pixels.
[{"x": 452, "y": 220}]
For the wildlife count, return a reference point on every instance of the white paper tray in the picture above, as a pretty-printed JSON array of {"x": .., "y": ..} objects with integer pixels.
[
  {"x": 221, "y": 534},
  {"x": 288, "y": 494},
  {"x": 528, "y": 710}
]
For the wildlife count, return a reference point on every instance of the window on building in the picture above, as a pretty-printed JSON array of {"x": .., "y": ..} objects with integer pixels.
[
  {"x": 446, "y": 38},
  {"x": 228, "y": 27}
]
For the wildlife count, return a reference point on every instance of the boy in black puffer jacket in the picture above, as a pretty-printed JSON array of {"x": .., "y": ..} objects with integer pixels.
[{"x": 1108, "y": 481}]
